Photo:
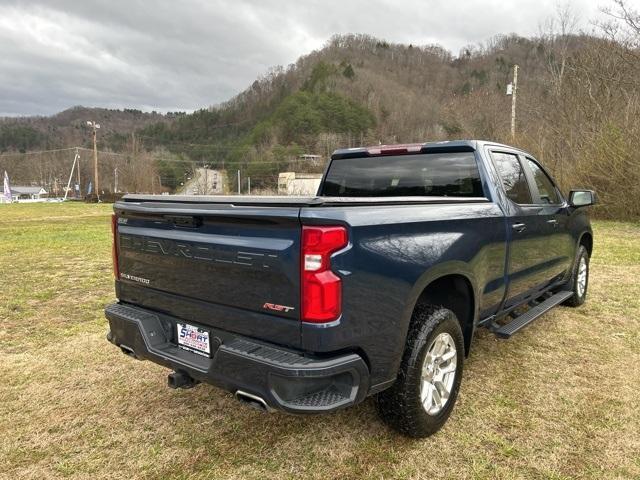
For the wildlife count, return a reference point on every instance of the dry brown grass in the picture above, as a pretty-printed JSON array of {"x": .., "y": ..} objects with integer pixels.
[{"x": 559, "y": 400}]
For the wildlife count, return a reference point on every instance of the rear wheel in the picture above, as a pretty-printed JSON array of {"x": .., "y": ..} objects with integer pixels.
[
  {"x": 423, "y": 396},
  {"x": 580, "y": 278}
]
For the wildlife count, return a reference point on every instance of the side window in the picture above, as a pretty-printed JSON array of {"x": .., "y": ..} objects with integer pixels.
[
  {"x": 548, "y": 193},
  {"x": 513, "y": 177}
]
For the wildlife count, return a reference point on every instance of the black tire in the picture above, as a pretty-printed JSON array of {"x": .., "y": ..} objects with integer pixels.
[
  {"x": 579, "y": 294},
  {"x": 400, "y": 406}
]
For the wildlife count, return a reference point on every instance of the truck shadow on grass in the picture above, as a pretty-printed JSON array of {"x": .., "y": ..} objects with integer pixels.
[
  {"x": 355, "y": 443},
  {"x": 224, "y": 433},
  {"x": 351, "y": 440}
]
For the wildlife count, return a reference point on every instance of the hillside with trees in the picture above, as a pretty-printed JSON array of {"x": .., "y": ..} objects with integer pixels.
[
  {"x": 578, "y": 111},
  {"x": 68, "y": 128}
]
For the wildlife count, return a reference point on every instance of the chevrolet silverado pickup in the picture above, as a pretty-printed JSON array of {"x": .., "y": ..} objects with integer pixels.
[{"x": 374, "y": 287}]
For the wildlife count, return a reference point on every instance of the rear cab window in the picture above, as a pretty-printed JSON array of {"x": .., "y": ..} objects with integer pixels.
[{"x": 450, "y": 174}]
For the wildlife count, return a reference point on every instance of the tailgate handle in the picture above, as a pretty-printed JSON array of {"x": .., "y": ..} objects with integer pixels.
[{"x": 188, "y": 221}]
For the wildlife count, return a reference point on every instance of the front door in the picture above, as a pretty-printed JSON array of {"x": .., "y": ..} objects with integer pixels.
[
  {"x": 554, "y": 219},
  {"x": 529, "y": 258}
]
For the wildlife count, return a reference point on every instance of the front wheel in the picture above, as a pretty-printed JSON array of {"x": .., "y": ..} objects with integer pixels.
[
  {"x": 579, "y": 279},
  {"x": 422, "y": 398}
]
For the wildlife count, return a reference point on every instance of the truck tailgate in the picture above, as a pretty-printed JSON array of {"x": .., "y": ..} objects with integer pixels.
[{"x": 227, "y": 266}]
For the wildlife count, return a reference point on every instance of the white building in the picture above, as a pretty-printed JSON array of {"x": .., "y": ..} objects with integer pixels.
[
  {"x": 303, "y": 184},
  {"x": 19, "y": 193},
  {"x": 205, "y": 181}
]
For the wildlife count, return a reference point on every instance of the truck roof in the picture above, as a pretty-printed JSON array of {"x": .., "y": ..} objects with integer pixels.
[{"x": 426, "y": 147}]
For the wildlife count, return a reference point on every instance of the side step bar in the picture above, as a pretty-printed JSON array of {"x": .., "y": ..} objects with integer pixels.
[{"x": 521, "y": 321}]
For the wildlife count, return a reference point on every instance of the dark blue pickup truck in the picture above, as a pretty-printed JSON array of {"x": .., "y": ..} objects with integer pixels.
[{"x": 373, "y": 287}]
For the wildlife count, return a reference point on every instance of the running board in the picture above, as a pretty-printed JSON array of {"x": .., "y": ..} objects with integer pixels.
[{"x": 521, "y": 321}]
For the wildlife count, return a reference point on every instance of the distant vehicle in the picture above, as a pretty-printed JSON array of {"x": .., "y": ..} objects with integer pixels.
[{"x": 373, "y": 287}]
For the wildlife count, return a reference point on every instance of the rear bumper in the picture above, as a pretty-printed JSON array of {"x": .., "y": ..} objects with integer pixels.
[{"x": 284, "y": 379}]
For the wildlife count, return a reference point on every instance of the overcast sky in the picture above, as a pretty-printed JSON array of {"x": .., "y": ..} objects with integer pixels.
[{"x": 183, "y": 55}]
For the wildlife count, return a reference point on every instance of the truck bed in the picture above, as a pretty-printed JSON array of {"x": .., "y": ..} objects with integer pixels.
[{"x": 291, "y": 201}]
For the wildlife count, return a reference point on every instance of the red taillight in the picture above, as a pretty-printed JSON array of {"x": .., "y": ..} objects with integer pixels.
[
  {"x": 114, "y": 248},
  {"x": 321, "y": 288}
]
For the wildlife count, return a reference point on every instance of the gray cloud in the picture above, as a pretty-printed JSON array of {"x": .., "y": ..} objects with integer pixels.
[{"x": 185, "y": 55}]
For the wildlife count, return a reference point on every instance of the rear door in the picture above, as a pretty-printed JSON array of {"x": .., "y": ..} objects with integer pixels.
[
  {"x": 527, "y": 265},
  {"x": 226, "y": 266}
]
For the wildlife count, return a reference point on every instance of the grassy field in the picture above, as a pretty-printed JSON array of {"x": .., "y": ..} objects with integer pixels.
[{"x": 560, "y": 400}]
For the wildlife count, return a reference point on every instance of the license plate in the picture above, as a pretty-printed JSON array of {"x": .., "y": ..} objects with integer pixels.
[{"x": 194, "y": 339}]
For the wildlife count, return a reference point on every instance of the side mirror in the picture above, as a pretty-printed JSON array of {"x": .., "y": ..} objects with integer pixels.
[{"x": 582, "y": 198}]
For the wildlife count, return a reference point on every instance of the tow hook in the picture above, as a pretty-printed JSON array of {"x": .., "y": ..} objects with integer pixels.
[{"x": 181, "y": 380}]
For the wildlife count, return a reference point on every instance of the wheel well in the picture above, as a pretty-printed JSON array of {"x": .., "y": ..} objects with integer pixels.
[
  {"x": 455, "y": 293},
  {"x": 587, "y": 241}
]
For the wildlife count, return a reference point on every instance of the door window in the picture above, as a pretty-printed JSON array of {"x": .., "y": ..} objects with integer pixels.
[
  {"x": 513, "y": 177},
  {"x": 548, "y": 192}
]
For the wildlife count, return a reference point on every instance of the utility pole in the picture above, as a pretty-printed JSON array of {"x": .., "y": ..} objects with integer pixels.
[
  {"x": 514, "y": 91},
  {"x": 249, "y": 185},
  {"x": 75, "y": 160},
  {"x": 79, "y": 191},
  {"x": 133, "y": 162},
  {"x": 115, "y": 180},
  {"x": 238, "y": 181},
  {"x": 95, "y": 126}
]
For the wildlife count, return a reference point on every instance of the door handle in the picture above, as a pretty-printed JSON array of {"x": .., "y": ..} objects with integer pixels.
[
  {"x": 553, "y": 222},
  {"x": 519, "y": 227}
]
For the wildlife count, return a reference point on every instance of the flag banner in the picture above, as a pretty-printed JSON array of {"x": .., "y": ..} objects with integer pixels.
[
  {"x": 7, "y": 188},
  {"x": 90, "y": 188}
]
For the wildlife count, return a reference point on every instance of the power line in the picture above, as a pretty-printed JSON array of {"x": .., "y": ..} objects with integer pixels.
[
  {"x": 40, "y": 152},
  {"x": 212, "y": 162},
  {"x": 161, "y": 157},
  {"x": 257, "y": 162},
  {"x": 189, "y": 144},
  {"x": 105, "y": 152}
]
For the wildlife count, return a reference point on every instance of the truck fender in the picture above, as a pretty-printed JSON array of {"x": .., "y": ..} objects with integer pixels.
[{"x": 454, "y": 267}]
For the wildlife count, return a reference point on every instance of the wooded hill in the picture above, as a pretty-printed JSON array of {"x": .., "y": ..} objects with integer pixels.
[
  {"x": 68, "y": 128},
  {"x": 578, "y": 110}
]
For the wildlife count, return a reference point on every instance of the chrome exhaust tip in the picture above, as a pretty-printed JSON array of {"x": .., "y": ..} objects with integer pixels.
[
  {"x": 128, "y": 351},
  {"x": 252, "y": 400}
]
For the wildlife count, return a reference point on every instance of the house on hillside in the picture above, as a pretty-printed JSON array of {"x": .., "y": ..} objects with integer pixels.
[{"x": 309, "y": 157}]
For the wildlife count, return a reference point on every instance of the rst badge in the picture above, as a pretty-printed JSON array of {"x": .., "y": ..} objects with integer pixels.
[{"x": 277, "y": 308}]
